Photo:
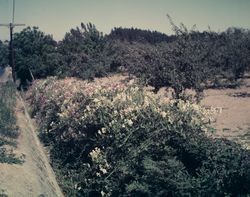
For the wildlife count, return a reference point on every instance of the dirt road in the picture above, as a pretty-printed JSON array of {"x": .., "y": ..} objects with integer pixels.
[{"x": 35, "y": 176}]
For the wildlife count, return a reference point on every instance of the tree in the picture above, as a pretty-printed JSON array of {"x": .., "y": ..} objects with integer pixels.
[
  {"x": 192, "y": 60},
  {"x": 82, "y": 52},
  {"x": 236, "y": 52},
  {"x": 35, "y": 54},
  {"x": 139, "y": 35}
]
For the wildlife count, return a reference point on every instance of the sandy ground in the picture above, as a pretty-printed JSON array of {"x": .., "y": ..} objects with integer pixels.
[
  {"x": 233, "y": 121},
  {"x": 35, "y": 176},
  {"x": 234, "y": 104}
]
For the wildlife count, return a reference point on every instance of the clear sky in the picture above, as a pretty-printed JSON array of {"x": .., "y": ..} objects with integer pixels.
[{"x": 56, "y": 17}]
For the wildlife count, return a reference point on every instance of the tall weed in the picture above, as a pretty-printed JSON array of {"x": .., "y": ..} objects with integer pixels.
[{"x": 8, "y": 128}]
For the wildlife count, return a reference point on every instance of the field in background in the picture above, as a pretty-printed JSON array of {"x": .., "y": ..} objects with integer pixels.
[{"x": 233, "y": 106}]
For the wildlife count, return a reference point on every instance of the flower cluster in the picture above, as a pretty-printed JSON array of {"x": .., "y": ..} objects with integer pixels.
[{"x": 104, "y": 117}]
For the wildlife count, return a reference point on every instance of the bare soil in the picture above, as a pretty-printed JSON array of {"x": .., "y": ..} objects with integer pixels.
[
  {"x": 233, "y": 119},
  {"x": 35, "y": 176}
]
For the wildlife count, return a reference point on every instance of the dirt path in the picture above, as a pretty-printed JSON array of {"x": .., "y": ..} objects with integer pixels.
[{"x": 35, "y": 176}]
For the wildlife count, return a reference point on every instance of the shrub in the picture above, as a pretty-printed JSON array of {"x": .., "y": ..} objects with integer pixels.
[{"x": 121, "y": 140}]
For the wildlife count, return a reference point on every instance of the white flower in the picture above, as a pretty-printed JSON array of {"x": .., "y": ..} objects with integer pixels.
[
  {"x": 103, "y": 170},
  {"x": 95, "y": 153},
  {"x": 98, "y": 174},
  {"x": 103, "y": 193},
  {"x": 163, "y": 114},
  {"x": 96, "y": 100},
  {"x": 130, "y": 122},
  {"x": 104, "y": 130},
  {"x": 88, "y": 108}
]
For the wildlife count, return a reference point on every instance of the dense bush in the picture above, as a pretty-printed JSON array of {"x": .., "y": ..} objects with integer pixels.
[{"x": 119, "y": 140}]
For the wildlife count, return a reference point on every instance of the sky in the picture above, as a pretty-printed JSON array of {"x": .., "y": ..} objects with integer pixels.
[{"x": 56, "y": 17}]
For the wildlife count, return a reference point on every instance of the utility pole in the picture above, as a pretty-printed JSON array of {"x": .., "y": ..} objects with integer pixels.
[{"x": 11, "y": 46}]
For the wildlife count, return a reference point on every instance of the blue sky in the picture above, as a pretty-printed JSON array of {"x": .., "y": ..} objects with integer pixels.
[{"x": 56, "y": 17}]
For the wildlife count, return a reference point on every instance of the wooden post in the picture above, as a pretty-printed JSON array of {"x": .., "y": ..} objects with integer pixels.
[{"x": 11, "y": 46}]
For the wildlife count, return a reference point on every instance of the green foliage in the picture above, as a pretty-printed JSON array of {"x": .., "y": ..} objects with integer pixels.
[
  {"x": 3, "y": 54},
  {"x": 82, "y": 52},
  {"x": 179, "y": 64},
  {"x": 189, "y": 59},
  {"x": 235, "y": 53},
  {"x": 8, "y": 129},
  {"x": 85, "y": 39},
  {"x": 35, "y": 53},
  {"x": 118, "y": 140},
  {"x": 138, "y": 35},
  {"x": 193, "y": 60}
]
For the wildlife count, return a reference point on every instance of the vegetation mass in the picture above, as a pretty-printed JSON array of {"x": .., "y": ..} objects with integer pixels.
[
  {"x": 117, "y": 139},
  {"x": 188, "y": 59},
  {"x": 121, "y": 140}
]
